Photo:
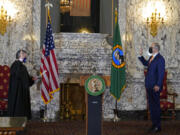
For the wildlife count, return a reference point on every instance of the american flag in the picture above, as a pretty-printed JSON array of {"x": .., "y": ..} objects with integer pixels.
[{"x": 49, "y": 67}]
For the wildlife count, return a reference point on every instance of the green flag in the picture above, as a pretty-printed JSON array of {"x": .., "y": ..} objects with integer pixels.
[{"x": 118, "y": 75}]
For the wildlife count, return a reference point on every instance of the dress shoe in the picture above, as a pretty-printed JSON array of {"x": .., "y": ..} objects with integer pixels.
[{"x": 156, "y": 130}]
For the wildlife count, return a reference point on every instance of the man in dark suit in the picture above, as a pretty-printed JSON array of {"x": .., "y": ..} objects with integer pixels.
[{"x": 154, "y": 83}]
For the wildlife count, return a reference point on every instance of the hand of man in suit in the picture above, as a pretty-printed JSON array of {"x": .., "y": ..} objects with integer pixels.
[
  {"x": 156, "y": 88},
  {"x": 141, "y": 52}
]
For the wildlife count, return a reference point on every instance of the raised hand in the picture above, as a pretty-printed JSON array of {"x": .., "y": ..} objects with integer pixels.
[{"x": 141, "y": 52}]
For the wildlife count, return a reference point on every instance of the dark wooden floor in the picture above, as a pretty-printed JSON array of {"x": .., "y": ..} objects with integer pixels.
[{"x": 109, "y": 128}]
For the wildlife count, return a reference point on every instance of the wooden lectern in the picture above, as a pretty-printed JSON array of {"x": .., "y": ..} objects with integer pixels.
[{"x": 94, "y": 108}]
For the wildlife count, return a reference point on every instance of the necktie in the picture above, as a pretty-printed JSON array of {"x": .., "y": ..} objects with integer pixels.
[{"x": 151, "y": 59}]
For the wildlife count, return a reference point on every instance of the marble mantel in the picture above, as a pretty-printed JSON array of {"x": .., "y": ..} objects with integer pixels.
[{"x": 83, "y": 53}]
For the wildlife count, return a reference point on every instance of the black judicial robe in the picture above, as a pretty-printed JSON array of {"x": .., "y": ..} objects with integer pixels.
[{"x": 19, "y": 94}]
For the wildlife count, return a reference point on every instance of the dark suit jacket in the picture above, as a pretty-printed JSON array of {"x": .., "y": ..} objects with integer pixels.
[{"x": 155, "y": 73}]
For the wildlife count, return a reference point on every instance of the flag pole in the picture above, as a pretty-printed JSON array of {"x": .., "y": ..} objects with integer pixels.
[
  {"x": 116, "y": 119},
  {"x": 116, "y": 113},
  {"x": 47, "y": 6},
  {"x": 112, "y": 17},
  {"x": 45, "y": 107}
]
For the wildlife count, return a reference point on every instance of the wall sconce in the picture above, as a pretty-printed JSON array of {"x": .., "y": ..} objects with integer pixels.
[
  {"x": 4, "y": 20},
  {"x": 65, "y": 6},
  {"x": 154, "y": 21},
  {"x": 7, "y": 11},
  {"x": 154, "y": 15}
]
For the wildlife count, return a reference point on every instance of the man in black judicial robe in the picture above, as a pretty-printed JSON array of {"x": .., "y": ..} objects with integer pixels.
[{"x": 20, "y": 81}]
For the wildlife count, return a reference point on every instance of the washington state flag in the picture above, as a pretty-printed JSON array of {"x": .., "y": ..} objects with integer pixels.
[{"x": 118, "y": 75}]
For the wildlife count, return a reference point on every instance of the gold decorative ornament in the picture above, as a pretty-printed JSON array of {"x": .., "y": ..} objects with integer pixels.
[
  {"x": 84, "y": 31},
  {"x": 5, "y": 81},
  {"x": 5, "y": 20},
  {"x": 1, "y": 87},
  {"x": 5, "y": 68},
  {"x": 7, "y": 15},
  {"x": 1, "y": 74},
  {"x": 5, "y": 93},
  {"x": 65, "y": 6},
  {"x": 154, "y": 21}
]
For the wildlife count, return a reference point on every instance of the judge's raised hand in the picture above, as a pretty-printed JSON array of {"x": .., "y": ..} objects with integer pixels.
[{"x": 141, "y": 52}]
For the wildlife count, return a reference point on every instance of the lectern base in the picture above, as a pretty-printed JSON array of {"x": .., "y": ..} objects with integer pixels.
[{"x": 94, "y": 119}]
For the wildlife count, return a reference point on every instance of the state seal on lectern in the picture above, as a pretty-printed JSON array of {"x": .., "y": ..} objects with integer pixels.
[{"x": 95, "y": 85}]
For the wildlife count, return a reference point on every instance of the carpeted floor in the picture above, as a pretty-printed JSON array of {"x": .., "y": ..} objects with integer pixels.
[{"x": 109, "y": 128}]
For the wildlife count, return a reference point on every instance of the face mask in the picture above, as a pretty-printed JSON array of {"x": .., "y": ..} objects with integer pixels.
[
  {"x": 150, "y": 50},
  {"x": 20, "y": 59},
  {"x": 24, "y": 60}
]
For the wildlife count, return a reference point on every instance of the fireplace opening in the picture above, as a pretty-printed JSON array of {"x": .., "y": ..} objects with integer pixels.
[{"x": 72, "y": 102}]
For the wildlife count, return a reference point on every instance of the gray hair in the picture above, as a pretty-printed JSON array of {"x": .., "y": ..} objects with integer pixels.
[
  {"x": 18, "y": 53},
  {"x": 157, "y": 46}
]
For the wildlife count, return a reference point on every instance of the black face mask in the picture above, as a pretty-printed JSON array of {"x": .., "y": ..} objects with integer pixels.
[{"x": 150, "y": 50}]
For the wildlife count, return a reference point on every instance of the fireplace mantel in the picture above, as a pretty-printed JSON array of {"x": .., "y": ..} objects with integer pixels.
[{"x": 83, "y": 53}]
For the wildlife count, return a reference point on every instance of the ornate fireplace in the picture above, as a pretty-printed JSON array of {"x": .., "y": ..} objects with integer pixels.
[{"x": 79, "y": 55}]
